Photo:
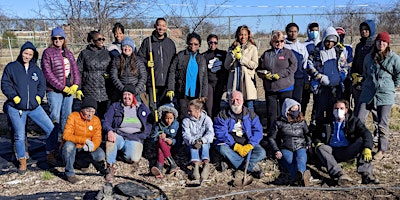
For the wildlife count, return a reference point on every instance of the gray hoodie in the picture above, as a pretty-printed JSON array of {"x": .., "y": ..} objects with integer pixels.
[
  {"x": 193, "y": 129},
  {"x": 287, "y": 104}
]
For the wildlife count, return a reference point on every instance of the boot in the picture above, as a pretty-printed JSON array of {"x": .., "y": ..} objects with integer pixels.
[
  {"x": 51, "y": 158},
  {"x": 306, "y": 178},
  {"x": 344, "y": 179},
  {"x": 100, "y": 167},
  {"x": 157, "y": 170},
  {"x": 109, "y": 173},
  {"x": 173, "y": 165},
  {"x": 206, "y": 171},
  {"x": 196, "y": 174},
  {"x": 22, "y": 166}
]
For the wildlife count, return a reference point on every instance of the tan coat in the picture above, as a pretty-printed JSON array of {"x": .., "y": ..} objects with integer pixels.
[{"x": 248, "y": 63}]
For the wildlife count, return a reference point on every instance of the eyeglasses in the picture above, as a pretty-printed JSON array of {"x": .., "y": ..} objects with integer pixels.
[
  {"x": 212, "y": 42},
  {"x": 57, "y": 38},
  {"x": 99, "y": 39},
  {"x": 194, "y": 44},
  {"x": 279, "y": 41}
]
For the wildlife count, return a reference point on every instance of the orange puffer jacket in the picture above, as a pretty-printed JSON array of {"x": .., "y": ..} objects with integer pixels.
[{"x": 77, "y": 130}]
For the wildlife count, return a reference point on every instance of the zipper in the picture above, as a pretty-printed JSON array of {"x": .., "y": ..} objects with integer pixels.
[
  {"x": 27, "y": 87},
  {"x": 162, "y": 61}
]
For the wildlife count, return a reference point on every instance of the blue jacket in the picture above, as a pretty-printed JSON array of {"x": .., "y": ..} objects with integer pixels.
[
  {"x": 225, "y": 121},
  {"x": 115, "y": 114},
  {"x": 170, "y": 131},
  {"x": 25, "y": 84}
]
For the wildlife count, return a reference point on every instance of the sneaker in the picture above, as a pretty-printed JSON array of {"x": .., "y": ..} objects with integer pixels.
[
  {"x": 224, "y": 166},
  {"x": 344, "y": 179},
  {"x": 379, "y": 155},
  {"x": 109, "y": 173},
  {"x": 257, "y": 172},
  {"x": 72, "y": 179},
  {"x": 306, "y": 178},
  {"x": 206, "y": 171},
  {"x": 369, "y": 179}
]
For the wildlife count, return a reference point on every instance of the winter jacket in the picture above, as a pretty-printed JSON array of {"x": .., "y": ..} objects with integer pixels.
[
  {"x": 177, "y": 74},
  {"x": 93, "y": 65},
  {"x": 221, "y": 76},
  {"x": 120, "y": 80},
  {"x": 54, "y": 71},
  {"x": 284, "y": 64},
  {"x": 77, "y": 130},
  {"x": 225, "y": 122},
  {"x": 300, "y": 52},
  {"x": 353, "y": 129},
  {"x": 170, "y": 131},
  {"x": 248, "y": 64},
  {"x": 363, "y": 47},
  {"x": 286, "y": 135},
  {"x": 380, "y": 85},
  {"x": 115, "y": 114},
  {"x": 27, "y": 84},
  {"x": 193, "y": 129},
  {"x": 164, "y": 51}
]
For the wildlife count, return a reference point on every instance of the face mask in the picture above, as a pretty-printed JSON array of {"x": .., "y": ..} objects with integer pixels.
[
  {"x": 339, "y": 114},
  {"x": 294, "y": 113},
  {"x": 313, "y": 34}
]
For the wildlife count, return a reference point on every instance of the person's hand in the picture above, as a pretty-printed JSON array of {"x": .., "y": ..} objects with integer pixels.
[
  {"x": 357, "y": 78},
  {"x": 111, "y": 136},
  {"x": 197, "y": 144},
  {"x": 67, "y": 90},
  {"x": 17, "y": 99},
  {"x": 278, "y": 155},
  {"x": 275, "y": 76},
  {"x": 237, "y": 147},
  {"x": 246, "y": 149},
  {"x": 170, "y": 94},
  {"x": 79, "y": 95},
  {"x": 268, "y": 76},
  {"x": 318, "y": 144},
  {"x": 168, "y": 141},
  {"x": 237, "y": 52},
  {"x": 73, "y": 88},
  {"x": 89, "y": 145},
  {"x": 163, "y": 135},
  {"x": 150, "y": 64},
  {"x": 38, "y": 99},
  {"x": 367, "y": 154}
]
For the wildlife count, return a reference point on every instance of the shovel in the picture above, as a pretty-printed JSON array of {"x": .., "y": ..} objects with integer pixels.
[{"x": 246, "y": 180}]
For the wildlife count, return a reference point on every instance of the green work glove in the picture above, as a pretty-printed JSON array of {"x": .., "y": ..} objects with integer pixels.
[
  {"x": 73, "y": 88},
  {"x": 38, "y": 99},
  {"x": 17, "y": 99},
  {"x": 367, "y": 154},
  {"x": 150, "y": 63},
  {"x": 170, "y": 94},
  {"x": 79, "y": 95}
]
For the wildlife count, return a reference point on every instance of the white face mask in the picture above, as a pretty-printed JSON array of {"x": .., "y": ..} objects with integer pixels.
[{"x": 339, "y": 114}]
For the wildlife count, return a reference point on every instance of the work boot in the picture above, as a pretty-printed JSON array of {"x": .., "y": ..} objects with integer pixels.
[
  {"x": 100, "y": 167},
  {"x": 157, "y": 170},
  {"x": 173, "y": 165},
  {"x": 369, "y": 179},
  {"x": 257, "y": 172},
  {"x": 379, "y": 155},
  {"x": 344, "y": 179},
  {"x": 206, "y": 171},
  {"x": 22, "y": 166},
  {"x": 224, "y": 166},
  {"x": 306, "y": 178},
  {"x": 196, "y": 173},
  {"x": 72, "y": 179},
  {"x": 109, "y": 173},
  {"x": 51, "y": 158}
]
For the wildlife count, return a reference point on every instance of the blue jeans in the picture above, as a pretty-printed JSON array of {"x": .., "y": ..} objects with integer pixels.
[
  {"x": 69, "y": 152},
  {"x": 195, "y": 153},
  {"x": 250, "y": 104},
  {"x": 60, "y": 108},
  {"x": 294, "y": 161},
  {"x": 132, "y": 150},
  {"x": 39, "y": 117},
  {"x": 238, "y": 161}
]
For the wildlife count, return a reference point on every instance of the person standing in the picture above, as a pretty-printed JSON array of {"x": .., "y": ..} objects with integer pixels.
[
  {"x": 93, "y": 62},
  {"x": 163, "y": 50},
  {"x": 345, "y": 60}
]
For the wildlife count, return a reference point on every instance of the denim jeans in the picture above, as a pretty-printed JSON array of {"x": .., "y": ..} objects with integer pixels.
[
  {"x": 294, "y": 161},
  {"x": 195, "y": 153},
  {"x": 132, "y": 150},
  {"x": 69, "y": 152},
  {"x": 258, "y": 153},
  {"x": 60, "y": 108},
  {"x": 39, "y": 117},
  {"x": 250, "y": 104}
]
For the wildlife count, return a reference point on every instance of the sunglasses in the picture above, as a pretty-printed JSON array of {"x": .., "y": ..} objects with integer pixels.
[
  {"x": 211, "y": 42},
  {"x": 194, "y": 44},
  {"x": 57, "y": 38},
  {"x": 98, "y": 40},
  {"x": 279, "y": 41}
]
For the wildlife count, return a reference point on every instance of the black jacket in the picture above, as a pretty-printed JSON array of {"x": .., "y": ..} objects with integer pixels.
[
  {"x": 121, "y": 80},
  {"x": 221, "y": 76}
]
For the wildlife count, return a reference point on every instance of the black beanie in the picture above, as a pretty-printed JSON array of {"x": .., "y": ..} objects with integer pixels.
[
  {"x": 89, "y": 102},
  {"x": 129, "y": 88}
]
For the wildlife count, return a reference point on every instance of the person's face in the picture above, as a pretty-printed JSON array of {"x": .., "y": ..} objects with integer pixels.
[
  {"x": 193, "y": 112},
  {"x": 341, "y": 106},
  {"x": 27, "y": 55},
  {"x": 98, "y": 40},
  {"x": 292, "y": 33},
  {"x": 127, "y": 50},
  {"x": 169, "y": 118},
  {"x": 88, "y": 113},
  {"x": 127, "y": 98},
  {"x": 365, "y": 31},
  {"x": 213, "y": 44},
  {"x": 58, "y": 41},
  {"x": 161, "y": 27},
  {"x": 243, "y": 36},
  {"x": 314, "y": 29},
  {"x": 381, "y": 45},
  {"x": 194, "y": 45},
  {"x": 328, "y": 44},
  {"x": 294, "y": 108},
  {"x": 236, "y": 103},
  {"x": 118, "y": 35},
  {"x": 278, "y": 43}
]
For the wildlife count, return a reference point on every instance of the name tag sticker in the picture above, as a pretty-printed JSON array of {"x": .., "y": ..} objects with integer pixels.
[{"x": 281, "y": 58}]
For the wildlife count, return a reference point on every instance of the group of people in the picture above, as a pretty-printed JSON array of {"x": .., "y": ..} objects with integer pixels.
[{"x": 185, "y": 91}]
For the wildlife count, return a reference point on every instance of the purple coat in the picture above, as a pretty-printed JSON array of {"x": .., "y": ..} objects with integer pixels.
[{"x": 54, "y": 71}]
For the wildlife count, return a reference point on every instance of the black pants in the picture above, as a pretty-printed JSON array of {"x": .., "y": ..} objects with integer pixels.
[{"x": 274, "y": 102}]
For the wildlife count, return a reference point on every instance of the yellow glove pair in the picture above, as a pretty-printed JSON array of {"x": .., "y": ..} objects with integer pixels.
[
  {"x": 357, "y": 78},
  {"x": 17, "y": 99},
  {"x": 367, "y": 154},
  {"x": 272, "y": 77},
  {"x": 73, "y": 90},
  {"x": 170, "y": 94},
  {"x": 242, "y": 150},
  {"x": 237, "y": 52}
]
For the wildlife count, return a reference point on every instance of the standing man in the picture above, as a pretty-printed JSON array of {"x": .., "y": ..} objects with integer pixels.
[
  {"x": 115, "y": 48},
  {"x": 301, "y": 53},
  {"x": 164, "y": 50},
  {"x": 345, "y": 61}
]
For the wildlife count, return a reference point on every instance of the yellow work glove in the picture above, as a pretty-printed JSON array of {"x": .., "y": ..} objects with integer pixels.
[
  {"x": 17, "y": 99},
  {"x": 268, "y": 76},
  {"x": 73, "y": 88},
  {"x": 150, "y": 63},
  {"x": 237, "y": 52},
  {"x": 357, "y": 78},
  {"x": 318, "y": 76},
  {"x": 246, "y": 149},
  {"x": 238, "y": 148},
  {"x": 170, "y": 94},
  {"x": 367, "y": 154},
  {"x": 67, "y": 90},
  {"x": 318, "y": 144},
  {"x": 79, "y": 95},
  {"x": 275, "y": 76},
  {"x": 38, "y": 99}
]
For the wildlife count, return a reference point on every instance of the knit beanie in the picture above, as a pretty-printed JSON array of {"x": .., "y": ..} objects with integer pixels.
[
  {"x": 89, "y": 102},
  {"x": 129, "y": 88},
  {"x": 58, "y": 31},
  {"x": 340, "y": 30},
  {"x": 128, "y": 41},
  {"x": 383, "y": 36}
]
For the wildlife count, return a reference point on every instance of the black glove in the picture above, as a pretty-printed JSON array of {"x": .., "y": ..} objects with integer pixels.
[{"x": 197, "y": 144}]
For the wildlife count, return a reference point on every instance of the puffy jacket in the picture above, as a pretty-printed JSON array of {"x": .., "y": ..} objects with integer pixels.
[
  {"x": 25, "y": 84},
  {"x": 363, "y": 47},
  {"x": 54, "y": 69},
  {"x": 225, "y": 122},
  {"x": 177, "y": 74},
  {"x": 300, "y": 52},
  {"x": 164, "y": 51},
  {"x": 221, "y": 76},
  {"x": 284, "y": 64},
  {"x": 115, "y": 114},
  {"x": 170, "y": 131},
  {"x": 193, "y": 129},
  {"x": 77, "y": 130},
  {"x": 120, "y": 80},
  {"x": 93, "y": 65}
]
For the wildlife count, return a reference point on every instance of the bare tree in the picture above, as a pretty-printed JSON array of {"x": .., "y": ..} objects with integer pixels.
[{"x": 389, "y": 20}]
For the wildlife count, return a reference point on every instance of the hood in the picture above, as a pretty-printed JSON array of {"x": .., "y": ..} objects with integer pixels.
[
  {"x": 318, "y": 39},
  {"x": 28, "y": 45},
  {"x": 167, "y": 108},
  {"x": 287, "y": 104},
  {"x": 371, "y": 25},
  {"x": 330, "y": 31}
]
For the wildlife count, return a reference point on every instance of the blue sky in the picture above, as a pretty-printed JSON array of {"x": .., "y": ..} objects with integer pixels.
[{"x": 29, "y": 8}]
